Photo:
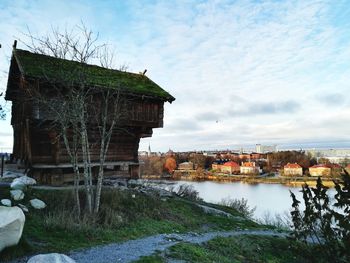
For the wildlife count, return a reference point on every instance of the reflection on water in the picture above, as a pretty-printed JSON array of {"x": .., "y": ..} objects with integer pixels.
[{"x": 267, "y": 198}]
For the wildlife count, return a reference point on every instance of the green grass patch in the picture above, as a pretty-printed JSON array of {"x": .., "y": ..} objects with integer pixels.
[
  {"x": 151, "y": 259},
  {"x": 244, "y": 249},
  {"x": 124, "y": 215}
]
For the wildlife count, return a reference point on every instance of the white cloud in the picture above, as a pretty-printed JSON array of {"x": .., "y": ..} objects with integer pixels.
[{"x": 287, "y": 59}]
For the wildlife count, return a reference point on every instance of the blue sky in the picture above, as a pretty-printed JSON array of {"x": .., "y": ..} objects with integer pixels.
[{"x": 242, "y": 72}]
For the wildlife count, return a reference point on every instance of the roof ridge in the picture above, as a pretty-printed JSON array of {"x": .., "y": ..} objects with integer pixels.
[
  {"x": 75, "y": 61},
  {"x": 36, "y": 65}
]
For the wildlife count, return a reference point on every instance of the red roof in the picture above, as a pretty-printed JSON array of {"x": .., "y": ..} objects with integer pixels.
[
  {"x": 248, "y": 164},
  {"x": 292, "y": 165},
  {"x": 232, "y": 164}
]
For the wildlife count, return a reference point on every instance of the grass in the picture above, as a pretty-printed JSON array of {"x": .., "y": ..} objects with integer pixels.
[
  {"x": 56, "y": 69},
  {"x": 122, "y": 217},
  {"x": 243, "y": 249},
  {"x": 151, "y": 259}
]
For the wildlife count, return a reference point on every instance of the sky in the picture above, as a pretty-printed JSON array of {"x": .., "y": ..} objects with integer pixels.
[{"x": 242, "y": 72}]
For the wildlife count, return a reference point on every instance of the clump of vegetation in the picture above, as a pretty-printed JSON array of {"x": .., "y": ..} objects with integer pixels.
[
  {"x": 241, "y": 205},
  {"x": 242, "y": 249},
  {"x": 187, "y": 191},
  {"x": 323, "y": 221},
  {"x": 280, "y": 221}
]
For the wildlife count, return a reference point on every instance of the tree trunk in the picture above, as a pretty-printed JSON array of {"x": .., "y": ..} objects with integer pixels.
[
  {"x": 74, "y": 161},
  {"x": 84, "y": 142}
]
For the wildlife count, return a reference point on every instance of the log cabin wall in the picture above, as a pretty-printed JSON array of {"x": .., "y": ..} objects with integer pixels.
[{"x": 37, "y": 143}]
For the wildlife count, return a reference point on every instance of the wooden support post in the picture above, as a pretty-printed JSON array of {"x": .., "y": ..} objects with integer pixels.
[
  {"x": 28, "y": 143},
  {"x": 2, "y": 164}
]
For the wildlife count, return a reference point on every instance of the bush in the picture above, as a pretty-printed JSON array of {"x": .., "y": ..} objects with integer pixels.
[
  {"x": 187, "y": 191},
  {"x": 325, "y": 223},
  {"x": 241, "y": 205},
  {"x": 280, "y": 221}
]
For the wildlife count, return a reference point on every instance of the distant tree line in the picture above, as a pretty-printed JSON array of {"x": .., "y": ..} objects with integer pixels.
[{"x": 305, "y": 160}]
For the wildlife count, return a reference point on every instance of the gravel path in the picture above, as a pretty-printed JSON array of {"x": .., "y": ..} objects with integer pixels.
[{"x": 134, "y": 249}]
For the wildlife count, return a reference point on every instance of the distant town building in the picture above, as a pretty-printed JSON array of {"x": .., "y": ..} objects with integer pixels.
[
  {"x": 265, "y": 148},
  {"x": 143, "y": 153},
  {"x": 293, "y": 169},
  {"x": 249, "y": 168},
  {"x": 258, "y": 148},
  {"x": 210, "y": 154},
  {"x": 186, "y": 166},
  {"x": 230, "y": 167},
  {"x": 244, "y": 156},
  {"x": 333, "y": 155},
  {"x": 320, "y": 170}
]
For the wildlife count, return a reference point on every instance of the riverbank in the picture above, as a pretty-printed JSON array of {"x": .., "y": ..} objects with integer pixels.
[{"x": 288, "y": 181}]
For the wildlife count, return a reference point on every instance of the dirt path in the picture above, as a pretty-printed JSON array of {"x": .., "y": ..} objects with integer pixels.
[{"x": 134, "y": 249}]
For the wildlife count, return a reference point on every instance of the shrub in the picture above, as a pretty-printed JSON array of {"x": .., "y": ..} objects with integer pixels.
[
  {"x": 325, "y": 223},
  {"x": 187, "y": 191},
  {"x": 241, "y": 205}
]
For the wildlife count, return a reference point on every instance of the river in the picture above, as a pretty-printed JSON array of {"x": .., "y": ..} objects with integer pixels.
[{"x": 268, "y": 199}]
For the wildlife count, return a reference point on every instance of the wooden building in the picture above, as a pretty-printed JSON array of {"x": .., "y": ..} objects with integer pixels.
[{"x": 35, "y": 141}]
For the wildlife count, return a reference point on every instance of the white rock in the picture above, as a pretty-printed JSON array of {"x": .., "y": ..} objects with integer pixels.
[
  {"x": 17, "y": 194},
  {"x": 23, "y": 207},
  {"x": 11, "y": 226},
  {"x": 11, "y": 174},
  {"x": 52, "y": 258},
  {"x": 6, "y": 202},
  {"x": 22, "y": 182},
  {"x": 37, "y": 204}
]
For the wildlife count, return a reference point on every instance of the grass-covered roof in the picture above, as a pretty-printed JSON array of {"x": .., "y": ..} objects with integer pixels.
[{"x": 55, "y": 69}]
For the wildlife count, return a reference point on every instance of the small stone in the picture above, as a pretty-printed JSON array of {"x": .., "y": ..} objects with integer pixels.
[
  {"x": 52, "y": 257},
  {"x": 21, "y": 182},
  {"x": 23, "y": 207},
  {"x": 133, "y": 196},
  {"x": 6, "y": 202},
  {"x": 133, "y": 182},
  {"x": 37, "y": 204},
  {"x": 17, "y": 195}
]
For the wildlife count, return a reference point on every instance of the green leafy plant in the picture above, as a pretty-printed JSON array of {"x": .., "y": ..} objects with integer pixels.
[{"x": 324, "y": 222}]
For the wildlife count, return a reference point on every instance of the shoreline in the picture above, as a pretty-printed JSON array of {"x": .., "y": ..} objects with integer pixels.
[{"x": 287, "y": 181}]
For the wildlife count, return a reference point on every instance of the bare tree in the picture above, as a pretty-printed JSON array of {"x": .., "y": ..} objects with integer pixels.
[
  {"x": 72, "y": 119},
  {"x": 2, "y": 111}
]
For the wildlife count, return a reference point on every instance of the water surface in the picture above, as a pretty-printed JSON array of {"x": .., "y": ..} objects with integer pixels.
[{"x": 269, "y": 199}]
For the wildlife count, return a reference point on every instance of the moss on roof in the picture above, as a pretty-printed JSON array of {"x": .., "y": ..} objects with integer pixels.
[{"x": 51, "y": 68}]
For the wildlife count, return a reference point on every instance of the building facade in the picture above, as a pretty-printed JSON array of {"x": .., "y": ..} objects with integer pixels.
[
  {"x": 293, "y": 169},
  {"x": 320, "y": 170},
  {"x": 230, "y": 168},
  {"x": 249, "y": 168}
]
